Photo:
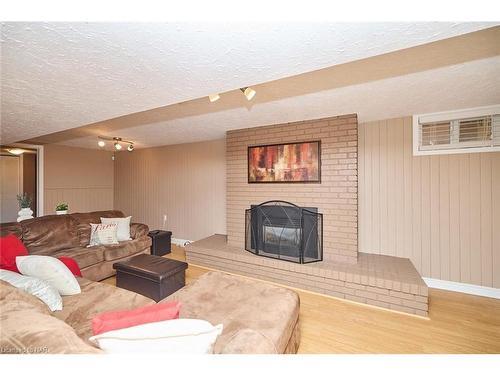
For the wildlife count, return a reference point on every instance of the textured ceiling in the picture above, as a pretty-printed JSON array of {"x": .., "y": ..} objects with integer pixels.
[
  {"x": 57, "y": 76},
  {"x": 427, "y": 91}
]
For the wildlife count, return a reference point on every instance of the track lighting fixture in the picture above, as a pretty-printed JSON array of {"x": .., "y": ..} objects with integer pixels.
[
  {"x": 213, "y": 97},
  {"x": 117, "y": 143},
  {"x": 248, "y": 92}
]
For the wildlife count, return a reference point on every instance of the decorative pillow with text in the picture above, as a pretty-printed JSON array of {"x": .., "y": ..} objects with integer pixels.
[
  {"x": 103, "y": 234},
  {"x": 123, "y": 224}
]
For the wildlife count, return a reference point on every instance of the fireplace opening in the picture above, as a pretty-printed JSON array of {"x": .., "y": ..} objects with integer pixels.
[{"x": 283, "y": 230}]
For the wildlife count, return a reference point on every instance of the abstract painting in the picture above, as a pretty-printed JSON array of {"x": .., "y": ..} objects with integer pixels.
[{"x": 290, "y": 162}]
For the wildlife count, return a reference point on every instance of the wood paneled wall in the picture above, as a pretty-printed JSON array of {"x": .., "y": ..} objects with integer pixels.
[
  {"x": 187, "y": 182},
  {"x": 442, "y": 211},
  {"x": 81, "y": 177}
]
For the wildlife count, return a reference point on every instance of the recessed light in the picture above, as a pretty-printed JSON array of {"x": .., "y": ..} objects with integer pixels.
[{"x": 101, "y": 143}]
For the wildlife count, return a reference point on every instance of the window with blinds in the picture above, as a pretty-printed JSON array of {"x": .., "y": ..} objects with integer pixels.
[{"x": 472, "y": 130}]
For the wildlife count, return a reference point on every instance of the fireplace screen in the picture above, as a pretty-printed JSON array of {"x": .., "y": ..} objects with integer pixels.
[{"x": 282, "y": 230}]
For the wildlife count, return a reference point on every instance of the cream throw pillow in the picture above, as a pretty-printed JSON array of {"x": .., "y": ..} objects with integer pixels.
[
  {"x": 176, "y": 336},
  {"x": 50, "y": 269},
  {"x": 103, "y": 234},
  {"x": 123, "y": 224},
  {"x": 36, "y": 287}
]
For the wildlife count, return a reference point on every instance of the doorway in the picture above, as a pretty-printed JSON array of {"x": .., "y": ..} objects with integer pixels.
[{"x": 18, "y": 175}]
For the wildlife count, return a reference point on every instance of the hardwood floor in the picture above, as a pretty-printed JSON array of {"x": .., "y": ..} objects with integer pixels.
[{"x": 458, "y": 323}]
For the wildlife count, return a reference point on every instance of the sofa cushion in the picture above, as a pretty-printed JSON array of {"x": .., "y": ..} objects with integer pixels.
[
  {"x": 239, "y": 304},
  {"x": 125, "y": 248},
  {"x": 13, "y": 294},
  {"x": 28, "y": 327},
  {"x": 28, "y": 331},
  {"x": 34, "y": 286},
  {"x": 84, "y": 219},
  {"x": 96, "y": 298},
  {"x": 84, "y": 256},
  {"x": 46, "y": 234}
]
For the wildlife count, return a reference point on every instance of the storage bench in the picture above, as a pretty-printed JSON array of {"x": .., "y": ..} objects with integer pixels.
[{"x": 150, "y": 275}]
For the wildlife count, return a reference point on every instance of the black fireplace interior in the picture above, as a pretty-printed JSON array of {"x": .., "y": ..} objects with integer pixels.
[{"x": 282, "y": 230}]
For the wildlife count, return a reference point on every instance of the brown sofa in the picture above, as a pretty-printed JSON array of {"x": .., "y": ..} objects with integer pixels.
[
  {"x": 258, "y": 317},
  {"x": 68, "y": 235}
]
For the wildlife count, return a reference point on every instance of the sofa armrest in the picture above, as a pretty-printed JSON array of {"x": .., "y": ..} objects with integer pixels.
[{"x": 138, "y": 230}]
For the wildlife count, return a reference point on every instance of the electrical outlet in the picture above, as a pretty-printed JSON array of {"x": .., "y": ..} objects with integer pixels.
[{"x": 164, "y": 224}]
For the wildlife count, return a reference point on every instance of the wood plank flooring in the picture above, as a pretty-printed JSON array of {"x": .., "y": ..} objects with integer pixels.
[{"x": 458, "y": 323}]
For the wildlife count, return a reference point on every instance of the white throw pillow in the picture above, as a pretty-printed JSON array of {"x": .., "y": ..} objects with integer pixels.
[
  {"x": 123, "y": 226},
  {"x": 103, "y": 234},
  {"x": 36, "y": 287},
  {"x": 50, "y": 269},
  {"x": 176, "y": 336}
]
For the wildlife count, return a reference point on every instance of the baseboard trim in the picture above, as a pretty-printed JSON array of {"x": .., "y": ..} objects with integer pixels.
[
  {"x": 453, "y": 286},
  {"x": 180, "y": 242}
]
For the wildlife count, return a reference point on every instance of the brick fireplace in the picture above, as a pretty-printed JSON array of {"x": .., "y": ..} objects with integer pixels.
[
  {"x": 382, "y": 281},
  {"x": 335, "y": 197}
]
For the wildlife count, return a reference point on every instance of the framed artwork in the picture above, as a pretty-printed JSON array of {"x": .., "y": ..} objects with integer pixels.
[{"x": 285, "y": 163}]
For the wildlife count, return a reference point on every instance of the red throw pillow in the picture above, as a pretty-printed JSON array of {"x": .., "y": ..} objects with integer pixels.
[
  {"x": 72, "y": 265},
  {"x": 10, "y": 248},
  {"x": 112, "y": 320}
]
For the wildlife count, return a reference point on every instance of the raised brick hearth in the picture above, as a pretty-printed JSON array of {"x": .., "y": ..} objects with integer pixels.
[{"x": 378, "y": 280}]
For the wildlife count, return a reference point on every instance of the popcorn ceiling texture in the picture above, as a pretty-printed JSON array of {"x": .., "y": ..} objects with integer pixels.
[
  {"x": 429, "y": 91},
  {"x": 57, "y": 76}
]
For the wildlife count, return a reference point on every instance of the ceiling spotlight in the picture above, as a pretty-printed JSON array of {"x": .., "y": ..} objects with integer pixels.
[
  {"x": 213, "y": 97},
  {"x": 101, "y": 143},
  {"x": 16, "y": 151},
  {"x": 130, "y": 147},
  {"x": 249, "y": 92},
  {"x": 118, "y": 146}
]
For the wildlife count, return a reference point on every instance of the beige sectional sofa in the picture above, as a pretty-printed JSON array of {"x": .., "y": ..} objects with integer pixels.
[
  {"x": 68, "y": 235},
  {"x": 258, "y": 317}
]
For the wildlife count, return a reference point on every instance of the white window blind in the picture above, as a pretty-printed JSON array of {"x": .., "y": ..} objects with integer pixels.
[{"x": 473, "y": 130}]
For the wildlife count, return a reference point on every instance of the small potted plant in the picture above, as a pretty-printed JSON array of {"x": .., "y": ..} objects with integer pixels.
[
  {"x": 25, "y": 211},
  {"x": 62, "y": 209}
]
